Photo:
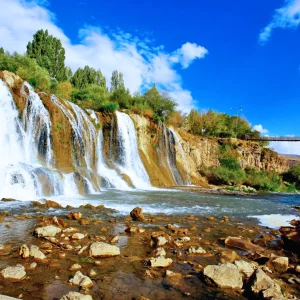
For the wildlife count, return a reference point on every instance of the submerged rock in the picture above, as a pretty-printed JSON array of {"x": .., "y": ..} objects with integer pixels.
[
  {"x": 75, "y": 296},
  {"x": 100, "y": 249},
  {"x": 225, "y": 276},
  {"x": 199, "y": 250},
  {"x": 47, "y": 231},
  {"x": 17, "y": 272}
]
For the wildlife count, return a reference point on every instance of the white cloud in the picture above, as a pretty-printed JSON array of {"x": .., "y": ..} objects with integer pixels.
[
  {"x": 188, "y": 53},
  {"x": 286, "y": 147},
  {"x": 141, "y": 63},
  {"x": 287, "y": 16},
  {"x": 260, "y": 129}
]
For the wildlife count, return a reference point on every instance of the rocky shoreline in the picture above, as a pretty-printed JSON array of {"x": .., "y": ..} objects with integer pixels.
[{"x": 51, "y": 252}]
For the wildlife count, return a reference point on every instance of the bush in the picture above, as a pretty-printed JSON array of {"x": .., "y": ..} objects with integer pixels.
[
  {"x": 222, "y": 175},
  {"x": 229, "y": 163},
  {"x": 293, "y": 176},
  {"x": 64, "y": 89},
  {"x": 109, "y": 107}
]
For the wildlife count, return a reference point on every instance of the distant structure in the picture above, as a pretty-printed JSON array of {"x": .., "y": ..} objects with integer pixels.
[{"x": 271, "y": 138}]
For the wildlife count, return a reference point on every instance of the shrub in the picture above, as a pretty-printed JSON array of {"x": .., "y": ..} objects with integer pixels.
[
  {"x": 109, "y": 107},
  {"x": 293, "y": 176},
  {"x": 64, "y": 89},
  {"x": 222, "y": 175}
]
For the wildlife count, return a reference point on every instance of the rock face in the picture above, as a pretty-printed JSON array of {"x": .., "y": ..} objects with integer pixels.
[
  {"x": 17, "y": 272},
  {"x": 224, "y": 276},
  {"x": 47, "y": 231},
  {"x": 137, "y": 214},
  {"x": 100, "y": 249},
  {"x": 75, "y": 296}
]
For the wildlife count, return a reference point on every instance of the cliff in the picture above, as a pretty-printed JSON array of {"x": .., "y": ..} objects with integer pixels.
[{"x": 69, "y": 148}]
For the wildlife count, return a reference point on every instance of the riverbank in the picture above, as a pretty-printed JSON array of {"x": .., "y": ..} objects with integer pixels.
[{"x": 163, "y": 257}]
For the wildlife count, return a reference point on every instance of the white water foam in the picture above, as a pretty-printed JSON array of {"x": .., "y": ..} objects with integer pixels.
[
  {"x": 274, "y": 220},
  {"x": 129, "y": 160}
]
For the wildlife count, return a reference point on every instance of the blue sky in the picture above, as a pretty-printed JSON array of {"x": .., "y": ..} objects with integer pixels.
[{"x": 208, "y": 54}]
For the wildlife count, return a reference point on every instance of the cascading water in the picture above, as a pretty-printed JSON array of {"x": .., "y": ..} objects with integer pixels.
[
  {"x": 25, "y": 144},
  {"x": 37, "y": 125},
  {"x": 187, "y": 171},
  {"x": 129, "y": 159}
]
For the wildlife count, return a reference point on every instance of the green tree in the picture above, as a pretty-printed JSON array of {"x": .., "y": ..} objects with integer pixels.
[
  {"x": 2, "y": 51},
  {"x": 117, "y": 81},
  {"x": 88, "y": 76},
  {"x": 49, "y": 54}
]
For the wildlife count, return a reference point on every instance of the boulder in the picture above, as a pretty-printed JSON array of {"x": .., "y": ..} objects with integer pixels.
[
  {"x": 36, "y": 253},
  {"x": 47, "y": 231},
  {"x": 135, "y": 229},
  {"x": 158, "y": 239},
  {"x": 137, "y": 214},
  {"x": 224, "y": 276},
  {"x": 242, "y": 243},
  {"x": 246, "y": 268},
  {"x": 17, "y": 272},
  {"x": 161, "y": 262},
  {"x": 159, "y": 252},
  {"x": 100, "y": 249},
  {"x": 262, "y": 283},
  {"x": 280, "y": 264},
  {"x": 75, "y": 296},
  {"x": 75, "y": 215},
  {"x": 50, "y": 203},
  {"x": 81, "y": 280}
]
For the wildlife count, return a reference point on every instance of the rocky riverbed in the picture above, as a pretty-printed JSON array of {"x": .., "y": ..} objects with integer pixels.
[{"x": 51, "y": 252}]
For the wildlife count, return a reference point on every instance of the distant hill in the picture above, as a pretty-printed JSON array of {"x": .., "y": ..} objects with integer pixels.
[{"x": 293, "y": 159}]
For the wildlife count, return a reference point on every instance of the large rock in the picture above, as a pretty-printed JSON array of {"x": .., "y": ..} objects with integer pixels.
[
  {"x": 246, "y": 268},
  {"x": 51, "y": 203},
  {"x": 225, "y": 276},
  {"x": 242, "y": 243},
  {"x": 158, "y": 239},
  {"x": 160, "y": 262},
  {"x": 76, "y": 215},
  {"x": 75, "y": 296},
  {"x": 137, "y": 214},
  {"x": 17, "y": 272},
  {"x": 100, "y": 249},
  {"x": 81, "y": 280},
  {"x": 47, "y": 231},
  {"x": 280, "y": 264},
  {"x": 263, "y": 284},
  {"x": 36, "y": 253}
]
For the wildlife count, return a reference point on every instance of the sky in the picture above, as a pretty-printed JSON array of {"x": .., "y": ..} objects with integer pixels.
[{"x": 217, "y": 55}]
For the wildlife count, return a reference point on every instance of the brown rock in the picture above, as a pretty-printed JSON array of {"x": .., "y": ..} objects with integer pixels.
[
  {"x": 50, "y": 203},
  {"x": 137, "y": 214},
  {"x": 76, "y": 215},
  {"x": 242, "y": 243}
]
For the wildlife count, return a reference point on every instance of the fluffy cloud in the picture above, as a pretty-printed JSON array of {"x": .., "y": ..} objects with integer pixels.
[
  {"x": 188, "y": 53},
  {"x": 287, "y": 16},
  {"x": 260, "y": 129},
  {"x": 141, "y": 63},
  {"x": 286, "y": 147}
]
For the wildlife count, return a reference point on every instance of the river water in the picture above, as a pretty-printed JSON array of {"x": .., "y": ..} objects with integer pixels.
[{"x": 272, "y": 210}]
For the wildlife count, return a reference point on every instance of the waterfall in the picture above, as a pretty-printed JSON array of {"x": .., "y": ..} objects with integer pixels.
[
  {"x": 26, "y": 144},
  {"x": 37, "y": 125},
  {"x": 129, "y": 160},
  {"x": 187, "y": 171},
  {"x": 170, "y": 153}
]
